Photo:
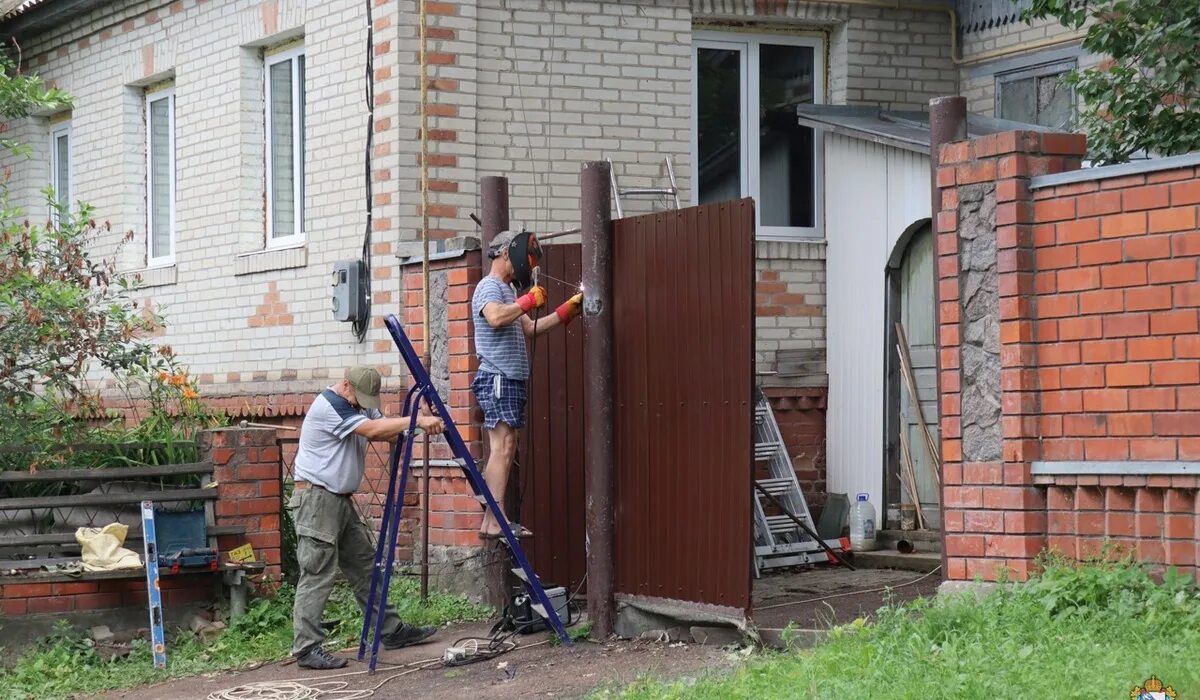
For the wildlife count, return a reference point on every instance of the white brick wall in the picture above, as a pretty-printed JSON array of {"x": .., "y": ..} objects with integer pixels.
[{"x": 525, "y": 88}]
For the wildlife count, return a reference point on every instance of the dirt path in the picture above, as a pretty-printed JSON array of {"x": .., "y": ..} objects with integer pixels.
[{"x": 542, "y": 671}]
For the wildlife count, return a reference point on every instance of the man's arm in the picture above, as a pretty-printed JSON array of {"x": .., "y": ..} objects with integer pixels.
[
  {"x": 388, "y": 428},
  {"x": 499, "y": 314},
  {"x": 564, "y": 314}
]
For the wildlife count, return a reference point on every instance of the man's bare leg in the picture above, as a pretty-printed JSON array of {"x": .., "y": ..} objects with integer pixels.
[{"x": 502, "y": 442}]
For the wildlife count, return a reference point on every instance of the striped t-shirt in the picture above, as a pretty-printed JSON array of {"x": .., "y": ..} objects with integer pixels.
[
  {"x": 331, "y": 454},
  {"x": 501, "y": 350}
]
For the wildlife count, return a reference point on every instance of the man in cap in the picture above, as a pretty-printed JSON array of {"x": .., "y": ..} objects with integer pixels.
[
  {"x": 502, "y": 324},
  {"x": 328, "y": 470}
]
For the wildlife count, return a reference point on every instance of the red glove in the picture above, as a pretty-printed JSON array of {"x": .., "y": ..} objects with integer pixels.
[
  {"x": 535, "y": 298},
  {"x": 569, "y": 309}
]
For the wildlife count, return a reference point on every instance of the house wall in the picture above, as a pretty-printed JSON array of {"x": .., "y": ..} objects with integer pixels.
[
  {"x": 1070, "y": 372},
  {"x": 1009, "y": 47}
]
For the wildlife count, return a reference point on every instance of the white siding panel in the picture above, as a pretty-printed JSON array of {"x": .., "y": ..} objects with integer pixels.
[{"x": 873, "y": 193}]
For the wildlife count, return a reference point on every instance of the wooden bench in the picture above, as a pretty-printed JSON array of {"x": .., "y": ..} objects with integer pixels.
[{"x": 24, "y": 556}]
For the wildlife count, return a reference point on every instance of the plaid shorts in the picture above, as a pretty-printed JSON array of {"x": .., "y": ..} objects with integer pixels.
[{"x": 508, "y": 407}]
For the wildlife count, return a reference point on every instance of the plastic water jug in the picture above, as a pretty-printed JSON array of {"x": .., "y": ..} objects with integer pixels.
[{"x": 862, "y": 524}]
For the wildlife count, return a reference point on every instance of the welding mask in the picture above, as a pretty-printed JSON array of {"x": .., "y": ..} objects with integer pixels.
[{"x": 525, "y": 254}]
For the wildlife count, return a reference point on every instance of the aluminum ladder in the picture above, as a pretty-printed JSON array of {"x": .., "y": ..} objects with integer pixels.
[
  {"x": 778, "y": 540},
  {"x": 398, "y": 469},
  {"x": 644, "y": 192}
]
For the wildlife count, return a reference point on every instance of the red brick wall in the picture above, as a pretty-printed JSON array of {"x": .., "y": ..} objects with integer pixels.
[
  {"x": 1100, "y": 359},
  {"x": 800, "y": 413}
]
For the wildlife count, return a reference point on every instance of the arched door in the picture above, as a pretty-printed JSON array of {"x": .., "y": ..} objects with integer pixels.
[{"x": 913, "y": 307}]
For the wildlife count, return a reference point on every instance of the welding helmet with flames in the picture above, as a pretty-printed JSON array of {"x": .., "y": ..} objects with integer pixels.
[{"x": 523, "y": 251}]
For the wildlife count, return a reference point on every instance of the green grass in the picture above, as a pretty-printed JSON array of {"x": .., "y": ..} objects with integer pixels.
[
  {"x": 66, "y": 665},
  {"x": 1092, "y": 631}
]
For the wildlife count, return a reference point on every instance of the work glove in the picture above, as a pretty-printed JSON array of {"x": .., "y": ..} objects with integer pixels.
[
  {"x": 570, "y": 308},
  {"x": 535, "y": 298}
]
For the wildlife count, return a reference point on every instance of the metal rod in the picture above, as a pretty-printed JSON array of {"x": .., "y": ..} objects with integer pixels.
[
  {"x": 947, "y": 124},
  {"x": 424, "y": 501},
  {"x": 803, "y": 526},
  {"x": 558, "y": 234},
  {"x": 493, "y": 190},
  {"x": 596, "y": 218}
]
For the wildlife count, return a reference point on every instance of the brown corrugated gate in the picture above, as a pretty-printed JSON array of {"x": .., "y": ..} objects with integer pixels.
[
  {"x": 683, "y": 295},
  {"x": 684, "y": 356},
  {"x": 552, "y": 502}
]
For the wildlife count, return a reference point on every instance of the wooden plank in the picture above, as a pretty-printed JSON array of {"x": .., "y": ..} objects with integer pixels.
[
  {"x": 108, "y": 499},
  {"x": 68, "y": 538},
  {"x": 113, "y": 474},
  {"x": 138, "y": 573},
  {"x": 906, "y": 372}
]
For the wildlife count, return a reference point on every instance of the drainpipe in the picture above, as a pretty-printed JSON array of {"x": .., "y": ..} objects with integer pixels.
[
  {"x": 493, "y": 191},
  {"x": 947, "y": 124},
  {"x": 596, "y": 222}
]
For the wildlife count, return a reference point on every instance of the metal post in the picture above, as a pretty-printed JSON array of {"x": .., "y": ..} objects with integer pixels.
[
  {"x": 947, "y": 124},
  {"x": 493, "y": 190},
  {"x": 596, "y": 222}
]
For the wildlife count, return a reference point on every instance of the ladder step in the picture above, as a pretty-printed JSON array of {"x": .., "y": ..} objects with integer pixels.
[
  {"x": 481, "y": 498},
  {"x": 539, "y": 609},
  {"x": 520, "y": 573},
  {"x": 766, "y": 450},
  {"x": 777, "y": 487},
  {"x": 781, "y": 523}
]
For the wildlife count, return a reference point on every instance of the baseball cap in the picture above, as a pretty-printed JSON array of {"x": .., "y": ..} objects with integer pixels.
[
  {"x": 365, "y": 381},
  {"x": 501, "y": 241}
]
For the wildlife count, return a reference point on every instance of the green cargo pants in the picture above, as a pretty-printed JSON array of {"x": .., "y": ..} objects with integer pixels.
[{"x": 331, "y": 535}]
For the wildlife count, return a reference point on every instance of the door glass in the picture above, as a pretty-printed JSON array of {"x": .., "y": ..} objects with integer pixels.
[
  {"x": 719, "y": 131},
  {"x": 785, "y": 148}
]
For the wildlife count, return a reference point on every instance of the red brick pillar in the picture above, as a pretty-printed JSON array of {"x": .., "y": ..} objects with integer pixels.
[
  {"x": 246, "y": 469},
  {"x": 995, "y": 517}
]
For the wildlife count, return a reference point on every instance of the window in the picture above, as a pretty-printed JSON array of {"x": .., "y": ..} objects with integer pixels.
[
  {"x": 60, "y": 164},
  {"x": 1036, "y": 95},
  {"x": 285, "y": 147},
  {"x": 740, "y": 77},
  {"x": 160, "y": 177}
]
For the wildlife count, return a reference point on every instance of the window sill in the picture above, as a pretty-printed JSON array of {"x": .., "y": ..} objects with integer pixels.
[
  {"x": 793, "y": 249},
  {"x": 160, "y": 276},
  {"x": 271, "y": 259}
]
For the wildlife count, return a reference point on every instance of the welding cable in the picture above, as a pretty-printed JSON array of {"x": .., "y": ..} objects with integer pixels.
[{"x": 849, "y": 593}]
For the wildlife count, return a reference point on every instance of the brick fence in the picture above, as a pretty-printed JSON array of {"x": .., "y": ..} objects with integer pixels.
[
  {"x": 247, "y": 474},
  {"x": 1069, "y": 357}
]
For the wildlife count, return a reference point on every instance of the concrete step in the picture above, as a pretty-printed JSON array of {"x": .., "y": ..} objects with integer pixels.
[
  {"x": 921, "y": 540},
  {"x": 921, "y": 562}
]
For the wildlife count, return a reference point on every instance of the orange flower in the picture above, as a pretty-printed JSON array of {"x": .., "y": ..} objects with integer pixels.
[
  {"x": 163, "y": 377},
  {"x": 178, "y": 379},
  {"x": 189, "y": 393}
]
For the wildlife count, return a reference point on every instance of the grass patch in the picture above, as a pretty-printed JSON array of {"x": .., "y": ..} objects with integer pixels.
[
  {"x": 66, "y": 665},
  {"x": 1094, "y": 630}
]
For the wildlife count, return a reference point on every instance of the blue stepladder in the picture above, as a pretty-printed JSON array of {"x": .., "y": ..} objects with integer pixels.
[
  {"x": 158, "y": 644},
  {"x": 398, "y": 469}
]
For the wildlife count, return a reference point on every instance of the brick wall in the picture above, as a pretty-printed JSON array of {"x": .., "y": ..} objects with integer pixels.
[
  {"x": 246, "y": 462},
  {"x": 800, "y": 414},
  {"x": 1070, "y": 368}
]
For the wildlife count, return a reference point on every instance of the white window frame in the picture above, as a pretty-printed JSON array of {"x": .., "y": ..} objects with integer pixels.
[
  {"x": 57, "y": 131},
  {"x": 298, "y": 124},
  {"x": 169, "y": 258},
  {"x": 751, "y": 172}
]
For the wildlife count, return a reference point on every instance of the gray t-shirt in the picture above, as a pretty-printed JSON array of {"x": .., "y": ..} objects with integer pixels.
[
  {"x": 330, "y": 454},
  {"x": 500, "y": 350}
]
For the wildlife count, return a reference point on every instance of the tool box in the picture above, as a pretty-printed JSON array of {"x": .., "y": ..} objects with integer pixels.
[{"x": 183, "y": 540}]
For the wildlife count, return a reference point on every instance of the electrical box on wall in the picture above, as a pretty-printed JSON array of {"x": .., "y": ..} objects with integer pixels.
[{"x": 349, "y": 290}]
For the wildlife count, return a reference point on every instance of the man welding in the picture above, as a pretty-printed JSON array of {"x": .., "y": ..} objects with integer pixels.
[
  {"x": 499, "y": 385},
  {"x": 328, "y": 470}
]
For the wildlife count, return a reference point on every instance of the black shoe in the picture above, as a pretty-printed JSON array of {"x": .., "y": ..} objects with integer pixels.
[
  {"x": 318, "y": 659},
  {"x": 407, "y": 636}
]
